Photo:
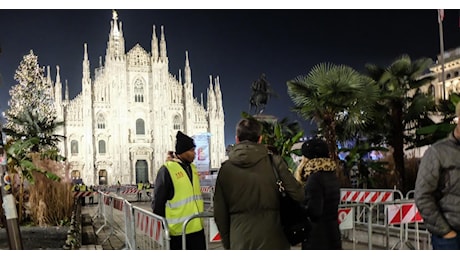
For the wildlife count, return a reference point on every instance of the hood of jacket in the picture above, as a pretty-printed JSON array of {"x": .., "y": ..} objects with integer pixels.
[{"x": 247, "y": 154}]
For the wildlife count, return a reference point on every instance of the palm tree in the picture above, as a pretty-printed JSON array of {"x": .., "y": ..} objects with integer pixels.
[
  {"x": 432, "y": 132},
  {"x": 37, "y": 136},
  {"x": 334, "y": 97},
  {"x": 401, "y": 104},
  {"x": 34, "y": 125}
]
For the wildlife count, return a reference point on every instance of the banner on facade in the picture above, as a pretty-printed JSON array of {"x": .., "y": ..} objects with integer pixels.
[{"x": 202, "y": 161}]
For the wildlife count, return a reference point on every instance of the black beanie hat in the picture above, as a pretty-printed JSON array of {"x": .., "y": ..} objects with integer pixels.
[
  {"x": 315, "y": 148},
  {"x": 183, "y": 143}
]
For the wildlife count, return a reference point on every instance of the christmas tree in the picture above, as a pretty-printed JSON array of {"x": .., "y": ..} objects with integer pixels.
[{"x": 31, "y": 111}]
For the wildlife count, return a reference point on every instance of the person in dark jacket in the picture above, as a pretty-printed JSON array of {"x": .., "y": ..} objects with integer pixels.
[
  {"x": 322, "y": 195},
  {"x": 177, "y": 196},
  {"x": 246, "y": 198},
  {"x": 437, "y": 190}
]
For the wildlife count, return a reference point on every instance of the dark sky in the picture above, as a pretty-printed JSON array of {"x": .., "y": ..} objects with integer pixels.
[{"x": 236, "y": 45}]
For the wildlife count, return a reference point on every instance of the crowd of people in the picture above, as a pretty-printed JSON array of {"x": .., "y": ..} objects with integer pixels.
[{"x": 247, "y": 215}]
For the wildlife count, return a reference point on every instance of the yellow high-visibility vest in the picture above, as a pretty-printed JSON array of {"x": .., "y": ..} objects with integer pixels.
[{"x": 186, "y": 202}]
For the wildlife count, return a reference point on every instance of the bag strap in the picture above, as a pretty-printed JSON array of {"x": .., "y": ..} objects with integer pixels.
[{"x": 279, "y": 182}]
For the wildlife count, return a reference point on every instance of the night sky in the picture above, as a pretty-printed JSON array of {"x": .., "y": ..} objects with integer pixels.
[{"x": 236, "y": 45}]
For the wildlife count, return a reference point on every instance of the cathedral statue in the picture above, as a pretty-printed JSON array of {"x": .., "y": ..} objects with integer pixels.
[{"x": 261, "y": 92}]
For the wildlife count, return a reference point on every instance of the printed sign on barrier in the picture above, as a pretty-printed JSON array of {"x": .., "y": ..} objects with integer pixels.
[
  {"x": 346, "y": 216},
  {"x": 214, "y": 235},
  {"x": 403, "y": 213}
]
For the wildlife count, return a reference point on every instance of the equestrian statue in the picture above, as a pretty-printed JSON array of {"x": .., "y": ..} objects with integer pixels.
[{"x": 261, "y": 93}]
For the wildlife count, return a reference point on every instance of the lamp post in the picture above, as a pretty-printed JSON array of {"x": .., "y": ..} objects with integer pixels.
[{"x": 9, "y": 205}]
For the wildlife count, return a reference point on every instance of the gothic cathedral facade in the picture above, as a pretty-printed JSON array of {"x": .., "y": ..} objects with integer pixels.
[{"x": 121, "y": 125}]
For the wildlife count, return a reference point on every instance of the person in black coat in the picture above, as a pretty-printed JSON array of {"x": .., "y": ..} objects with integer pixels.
[{"x": 322, "y": 195}]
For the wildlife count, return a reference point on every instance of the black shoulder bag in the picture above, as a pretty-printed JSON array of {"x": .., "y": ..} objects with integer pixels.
[{"x": 294, "y": 218}]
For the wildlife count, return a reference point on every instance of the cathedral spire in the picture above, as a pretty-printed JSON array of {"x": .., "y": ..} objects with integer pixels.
[
  {"x": 187, "y": 70},
  {"x": 58, "y": 75},
  {"x": 116, "y": 43},
  {"x": 180, "y": 76},
  {"x": 163, "y": 55},
  {"x": 66, "y": 91},
  {"x": 48, "y": 77},
  {"x": 58, "y": 87},
  {"x": 219, "y": 106},
  {"x": 211, "y": 98},
  {"x": 154, "y": 45},
  {"x": 86, "y": 70},
  {"x": 115, "y": 31}
]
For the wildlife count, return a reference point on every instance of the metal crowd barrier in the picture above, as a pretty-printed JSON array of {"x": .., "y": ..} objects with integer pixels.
[
  {"x": 346, "y": 215},
  {"x": 107, "y": 204},
  {"x": 410, "y": 195},
  {"x": 370, "y": 197},
  {"x": 127, "y": 191},
  {"x": 208, "y": 196},
  {"x": 399, "y": 214},
  {"x": 144, "y": 230},
  {"x": 130, "y": 231},
  {"x": 211, "y": 233},
  {"x": 150, "y": 232},
  {"x": 387, "y": 209}
]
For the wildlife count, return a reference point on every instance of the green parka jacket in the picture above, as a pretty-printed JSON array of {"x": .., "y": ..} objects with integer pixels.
[{"x": 246, "y": 199}]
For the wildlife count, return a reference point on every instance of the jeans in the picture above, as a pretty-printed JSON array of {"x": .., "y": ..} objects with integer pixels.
[{"x": 440, "y": 243}]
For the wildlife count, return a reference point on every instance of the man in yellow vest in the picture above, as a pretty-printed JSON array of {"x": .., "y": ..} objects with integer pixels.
[
  {"x": 140, "y": 187},
  {"x": 178, "y": 196}
]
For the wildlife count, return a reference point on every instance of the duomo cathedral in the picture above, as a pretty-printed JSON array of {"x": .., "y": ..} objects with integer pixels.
[{"x": 125, "y": 119}]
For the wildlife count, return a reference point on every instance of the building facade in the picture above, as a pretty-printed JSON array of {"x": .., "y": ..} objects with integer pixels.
[
  {"x": 451, "y": 75},
  {"x": 441, "y": 89},
  {"x": 125, "y": 119}
]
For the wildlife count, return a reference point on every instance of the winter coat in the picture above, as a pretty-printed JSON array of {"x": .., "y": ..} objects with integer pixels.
[
  {"x": 322, "y": 198},
  {"x": 246, "y": 199},
  {"x": 437, "y": 188}
]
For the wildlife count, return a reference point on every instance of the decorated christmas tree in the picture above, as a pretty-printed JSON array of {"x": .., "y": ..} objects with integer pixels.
[
  {"x": 31, "y": 110},
  {"x": 33, "y": 154}
]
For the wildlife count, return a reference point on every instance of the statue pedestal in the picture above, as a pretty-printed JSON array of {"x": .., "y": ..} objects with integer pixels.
[{"x": 266, "y": 118}]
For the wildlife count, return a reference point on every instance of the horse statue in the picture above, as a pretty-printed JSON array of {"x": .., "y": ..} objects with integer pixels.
[{"x": 260, "y": 95}]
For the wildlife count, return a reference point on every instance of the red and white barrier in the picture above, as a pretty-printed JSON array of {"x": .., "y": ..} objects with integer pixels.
[
  {"x": 207, "y": 189},
  {"x": 149, "y": 226},
  {"x": 214, "y": 235},
  {"x": 345, "y": 218},
  {"x": 358, "y": 196},
  {"x": 403, "y": 214},
  {"x": 107, "y": 200},
  {"x": 118, "y": 204},
  {"x": 129, "y": 191},
  {"x": 78, "y": 194}
]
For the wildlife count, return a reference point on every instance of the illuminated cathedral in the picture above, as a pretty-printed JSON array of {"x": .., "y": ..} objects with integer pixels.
[{"x": 125, "y": 119}]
